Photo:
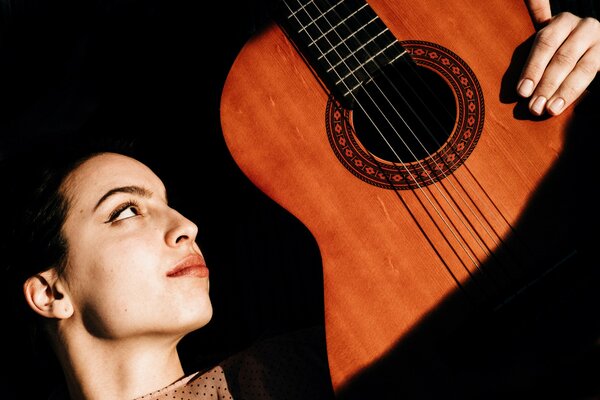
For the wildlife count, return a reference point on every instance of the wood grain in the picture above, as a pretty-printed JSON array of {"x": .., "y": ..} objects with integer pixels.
[{"x": 387, "y": 256}]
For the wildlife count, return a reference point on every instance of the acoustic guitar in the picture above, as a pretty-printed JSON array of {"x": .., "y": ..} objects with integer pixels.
[{"x": 393, "y": 131}]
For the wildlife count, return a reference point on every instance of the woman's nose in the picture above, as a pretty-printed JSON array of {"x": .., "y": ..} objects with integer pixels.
[{"x": 181, "y": 230}]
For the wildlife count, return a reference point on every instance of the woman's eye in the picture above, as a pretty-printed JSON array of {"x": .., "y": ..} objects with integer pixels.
[
  {"x": 130, "y": 211},
  {"x": 124, "y": 211}
]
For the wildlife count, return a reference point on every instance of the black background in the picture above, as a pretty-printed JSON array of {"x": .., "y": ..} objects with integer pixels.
[{"x": 153, "y": 71}]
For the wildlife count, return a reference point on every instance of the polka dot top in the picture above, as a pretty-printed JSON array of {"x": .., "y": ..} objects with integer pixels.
[
  {"x": 289, "y": 366},
  {"x": 208, "y": 385}
]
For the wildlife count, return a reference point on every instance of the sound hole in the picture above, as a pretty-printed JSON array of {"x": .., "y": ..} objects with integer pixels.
[{"x": 405, "y": 114}]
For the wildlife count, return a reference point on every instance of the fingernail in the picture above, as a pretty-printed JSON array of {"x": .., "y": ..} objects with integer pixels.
[
  {"x": 538, "y": 105},
  {"x": 556, "y": 105},
  {"x": 525, "y": 87}
]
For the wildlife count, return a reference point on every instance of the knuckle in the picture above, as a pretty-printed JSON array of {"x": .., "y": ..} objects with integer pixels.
[
  {"x": 567, "y": 16},
  {"x": 569, "y": 92},
  {"x": 564, "y": 58},
  {"x": 546, "y": 88},
  {"x": 546, "y": 40},
  {"x": 534, "y": 69},
  {"x": 590, "y": 23},
  {"x": 587, "y": 67}
]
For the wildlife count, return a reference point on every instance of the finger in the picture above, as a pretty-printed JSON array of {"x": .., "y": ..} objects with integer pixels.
[
  {"x": 545, "y": 45},
  {"x": 539, "y": 10},
  {"x": 575, "y": 83},
  {"x": 576, "y": 59}
]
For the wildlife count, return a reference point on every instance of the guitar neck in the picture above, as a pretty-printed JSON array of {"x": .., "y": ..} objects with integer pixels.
[{"x": 345, "y": 42}]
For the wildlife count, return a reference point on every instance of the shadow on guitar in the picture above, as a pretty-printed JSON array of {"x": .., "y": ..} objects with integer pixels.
[{"x": 545, "y": 342}]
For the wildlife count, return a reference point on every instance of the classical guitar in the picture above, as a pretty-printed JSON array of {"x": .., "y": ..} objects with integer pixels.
[{"x": 392, "y": 130}]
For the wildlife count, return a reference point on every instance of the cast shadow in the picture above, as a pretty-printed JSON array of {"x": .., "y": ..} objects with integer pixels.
[
  {"x": 545, "y": 341},
  {"x": 508, "y": 94}
]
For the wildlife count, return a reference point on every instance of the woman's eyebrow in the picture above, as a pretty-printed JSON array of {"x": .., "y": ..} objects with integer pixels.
[{"x": 137, "y": 190}]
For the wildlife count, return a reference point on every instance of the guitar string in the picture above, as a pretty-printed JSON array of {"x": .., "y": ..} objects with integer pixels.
[
  {"x": 493, "y": 210},
  {"x": 475, "y": 234},
  {"x": 469, "y": 254},
  {"x": 393, "y": 150},
  {"x": 425, "y": 236},
  {"x": 496, "y": 215},
  {"x": 352, "y": 54},
  {"x": 439, "y": 229},
  {"x": 495, "y": 237},
  {"x": 487, "y": 209}
]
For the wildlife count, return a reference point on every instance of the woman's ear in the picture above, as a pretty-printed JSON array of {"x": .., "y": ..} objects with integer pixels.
[{"x": 46, "y": 296}]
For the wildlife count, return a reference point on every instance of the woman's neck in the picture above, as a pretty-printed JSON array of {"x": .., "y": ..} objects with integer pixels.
[{"x": 118, "y": 369}]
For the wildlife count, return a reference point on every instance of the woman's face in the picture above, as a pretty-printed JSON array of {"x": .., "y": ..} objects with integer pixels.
[{"x": 133, "y": 266}]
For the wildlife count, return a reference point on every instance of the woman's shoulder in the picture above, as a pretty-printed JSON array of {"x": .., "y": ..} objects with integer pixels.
[{"x": 290, "y": 365}]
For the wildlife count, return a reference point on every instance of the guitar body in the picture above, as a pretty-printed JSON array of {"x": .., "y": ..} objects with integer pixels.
[{"x": 393, "y": 254}]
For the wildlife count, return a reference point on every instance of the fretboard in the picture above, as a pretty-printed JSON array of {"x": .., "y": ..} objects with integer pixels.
[{"x": 343, "y": 40}]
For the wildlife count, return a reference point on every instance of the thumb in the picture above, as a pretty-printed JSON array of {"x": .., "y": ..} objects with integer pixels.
[{"x": 539, "y": 10}]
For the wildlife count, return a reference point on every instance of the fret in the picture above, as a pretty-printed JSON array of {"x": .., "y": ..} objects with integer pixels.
[
  {"x": 350, "y": 37},
  {"x": 352, "y": 89},
  {"x": 363, "y": 65},
  {"x": 400, "y": 54},
  {"x": 370, "y": 62},
  {"x": 346, "y": 88},
  {"x": 322, "y": 15},
  {"x": 344, "y": 40},
  {"x": 293, "y": 13},
  {"x": 372, "y": 40},
  {"x": 337, "y": 25},
  {"x": 313, "y": 14}
]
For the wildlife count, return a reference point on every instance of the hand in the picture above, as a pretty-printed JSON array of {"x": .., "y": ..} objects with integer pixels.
[{"x": 563, "y": 61}]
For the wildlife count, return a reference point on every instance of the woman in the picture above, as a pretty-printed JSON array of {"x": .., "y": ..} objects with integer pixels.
[
  {"x": 115, "y": 279},
  {"x": 97, "y": 254}
]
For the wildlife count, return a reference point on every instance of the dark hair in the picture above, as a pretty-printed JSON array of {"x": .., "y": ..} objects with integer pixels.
[{"x": 31, "y": 238}]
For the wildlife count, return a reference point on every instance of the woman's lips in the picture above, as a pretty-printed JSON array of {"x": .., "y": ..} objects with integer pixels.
[{"x": 192, "y": 265}]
